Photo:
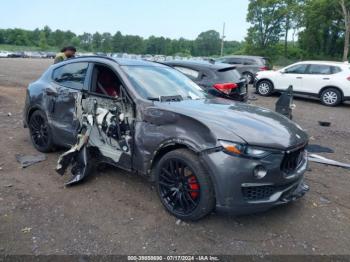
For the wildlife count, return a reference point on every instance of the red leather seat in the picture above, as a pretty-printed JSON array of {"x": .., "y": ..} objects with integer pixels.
[{"x": 107, "y": 84}]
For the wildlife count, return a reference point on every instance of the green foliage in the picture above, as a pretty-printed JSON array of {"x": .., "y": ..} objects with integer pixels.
[
  {"x": 42, "y": 40},
  {"x": 206, "y": 44},
  {"x": 323, "y": 35},
  {"x": 317, "y": 25}
]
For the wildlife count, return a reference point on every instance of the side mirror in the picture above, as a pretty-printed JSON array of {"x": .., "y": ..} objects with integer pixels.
[{"x": 282, "y": 71}]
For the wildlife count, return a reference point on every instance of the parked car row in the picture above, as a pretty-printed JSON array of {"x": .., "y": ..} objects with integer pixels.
[
  {"x": 327, "y": 81},
  {"x": 26, "y": 54}
]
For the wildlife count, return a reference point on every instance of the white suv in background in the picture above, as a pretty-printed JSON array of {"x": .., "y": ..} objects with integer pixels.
[{"x": 329, "y": 81}]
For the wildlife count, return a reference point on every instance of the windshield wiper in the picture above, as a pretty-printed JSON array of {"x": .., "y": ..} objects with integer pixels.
[
  {"x": 153, "y": 98},
  {"x": 176, "y": 98}
]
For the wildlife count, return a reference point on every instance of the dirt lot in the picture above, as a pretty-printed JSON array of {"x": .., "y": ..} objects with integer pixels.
[{"x": 114, "y": 212}]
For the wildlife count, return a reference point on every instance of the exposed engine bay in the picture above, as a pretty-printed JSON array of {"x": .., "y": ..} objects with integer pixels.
[{"x": 104, "y": 135}]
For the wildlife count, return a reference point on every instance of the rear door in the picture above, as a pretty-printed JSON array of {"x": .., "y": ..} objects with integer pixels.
[
  {"x": 317, "y": 76},
  {"x": 67, "y": 81}
]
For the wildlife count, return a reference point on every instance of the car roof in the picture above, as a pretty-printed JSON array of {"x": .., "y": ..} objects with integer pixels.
[
  {"x": 199, "y": 64},
  {"x": 119, "y": 61},
  {"x": 325, "y": 62},
  {"x": 244, "y": 56}
]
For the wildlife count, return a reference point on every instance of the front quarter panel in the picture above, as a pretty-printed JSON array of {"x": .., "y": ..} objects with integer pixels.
[{"x": 161, "y": 128}]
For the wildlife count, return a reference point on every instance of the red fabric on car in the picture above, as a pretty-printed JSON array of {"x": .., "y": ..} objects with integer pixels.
[{"x": 108, "y": 82}]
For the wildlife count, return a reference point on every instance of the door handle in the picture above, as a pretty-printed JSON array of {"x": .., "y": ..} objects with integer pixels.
[
  {"x": 299, "y": 77},
  {"x": 326, "y": 78}
]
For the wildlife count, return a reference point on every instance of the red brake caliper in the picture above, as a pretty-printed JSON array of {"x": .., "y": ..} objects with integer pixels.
[{"x": 193, "y": 184}]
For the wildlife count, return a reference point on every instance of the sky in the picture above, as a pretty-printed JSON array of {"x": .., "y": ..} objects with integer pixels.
[{"x": 168, "y": 18}]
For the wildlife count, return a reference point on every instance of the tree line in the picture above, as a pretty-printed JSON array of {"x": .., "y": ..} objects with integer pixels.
[
  {"x": 283, "y": 30},
  {"x": 206, "y": 44}
]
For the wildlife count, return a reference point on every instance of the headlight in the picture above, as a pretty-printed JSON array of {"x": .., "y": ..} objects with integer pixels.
[{"x": 243, "y": 150}]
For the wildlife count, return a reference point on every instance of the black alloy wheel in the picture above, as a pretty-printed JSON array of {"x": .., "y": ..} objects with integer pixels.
[
  {"x": 184, "y": 186},
  {"x": 40, "y": 132}
]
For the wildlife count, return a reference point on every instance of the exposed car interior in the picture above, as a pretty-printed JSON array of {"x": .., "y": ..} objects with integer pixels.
[{"x": 105, "y": 82}]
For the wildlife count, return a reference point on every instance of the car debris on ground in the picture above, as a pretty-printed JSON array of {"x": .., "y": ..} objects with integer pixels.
[
  {"x": 28, "y": 160},
  {"x": 284, "y": 104},
  {"x": 319, "y": 149},
  {"x": 252, "y": 98},
  {"x": 322, "y": 160},
  {"x": 324, "y": 123}
]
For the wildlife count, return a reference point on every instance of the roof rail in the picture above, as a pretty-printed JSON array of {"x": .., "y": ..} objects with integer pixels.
[{"x": 97, "y": 56}]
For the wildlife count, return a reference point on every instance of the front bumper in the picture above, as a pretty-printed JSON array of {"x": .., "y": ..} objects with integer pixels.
[{"x": 238, "y": 191}]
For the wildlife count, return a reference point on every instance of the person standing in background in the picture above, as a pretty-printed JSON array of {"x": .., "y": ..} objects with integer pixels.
[{"x": 66, "y": 53}]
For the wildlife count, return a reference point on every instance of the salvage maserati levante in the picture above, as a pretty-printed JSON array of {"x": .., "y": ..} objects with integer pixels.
[{"x": 203, "y": 153}]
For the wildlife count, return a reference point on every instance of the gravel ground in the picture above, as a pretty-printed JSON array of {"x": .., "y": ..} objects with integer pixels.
[{"x": 115, "y": 212}]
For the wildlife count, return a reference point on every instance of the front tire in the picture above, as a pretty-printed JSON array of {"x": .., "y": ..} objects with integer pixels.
[
  {"x": 264, "y": 88},
  {"x": 184, "y": 186},
  {"x": 331, "y": 97},
  {"x": 40, "y": 132}
]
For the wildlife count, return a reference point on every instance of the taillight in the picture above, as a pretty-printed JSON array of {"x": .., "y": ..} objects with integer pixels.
[
  {"x": 348, "y": 78},
  {"x": 264, "y": 68},
  {"x": 226, "y": 87}
]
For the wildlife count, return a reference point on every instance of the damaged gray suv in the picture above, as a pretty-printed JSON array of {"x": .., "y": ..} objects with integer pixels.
[{"x": 203, "y": 153}]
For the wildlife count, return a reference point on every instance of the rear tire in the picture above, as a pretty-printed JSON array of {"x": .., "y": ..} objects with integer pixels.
[
  {"x": 264, "y": 88},
  {"x": 331, "y": 97},
  {"x": 40, "y": 132},
  {"x": 184, "y": 186}
]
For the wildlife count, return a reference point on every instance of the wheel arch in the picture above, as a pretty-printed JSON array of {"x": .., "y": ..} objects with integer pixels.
[
  {"x": 164, "y": 149},
  {"x": 31, "y": 110},
  {"x": 334, "y": 87},
  {"x": 171, "y": 146},
  {"x": 265, "y": 79}
]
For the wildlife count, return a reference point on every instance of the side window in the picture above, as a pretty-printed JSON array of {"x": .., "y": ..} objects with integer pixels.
[
  {"x": 193, "y": 74},
  {"x": 236, "y": 61},
  {"x": 296, "y": 69},
  {"x": 320, "y": 70},
  {"x": 249, "y": 62},
  {"x": 105, "y": 82},
  {"x": 71, "y": 75},
  {"x": 335, "y": 69}
]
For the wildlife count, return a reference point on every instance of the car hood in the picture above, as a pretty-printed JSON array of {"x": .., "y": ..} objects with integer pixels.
[{"x": 227, "y": 120}]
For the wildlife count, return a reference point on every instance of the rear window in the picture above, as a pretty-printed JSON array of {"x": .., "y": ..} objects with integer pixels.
[
  {"x": 267, "y": 62},
  {"x": 335, "y": 69},
  {"x": 230, "y": 75},
  {"x": 188, "y": 72},
  {"x": 320, "y": 69}
]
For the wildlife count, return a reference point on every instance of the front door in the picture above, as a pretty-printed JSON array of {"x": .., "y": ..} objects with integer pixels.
[
  {"x": 110, "y": 112},
  {"x": 291, "y": 76},
  {"x": 316, "y": 77}
]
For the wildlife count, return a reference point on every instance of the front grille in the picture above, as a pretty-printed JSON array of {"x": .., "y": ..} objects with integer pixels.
[
  {"x": 292, "y": 160},
  {"x": 257, "y": 193}
]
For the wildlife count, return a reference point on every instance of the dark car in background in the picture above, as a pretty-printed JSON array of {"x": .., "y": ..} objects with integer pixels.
[
  {"x": 200, "y": 151},
  {"x": 248, "y": 66},
  {"x": 16, "y": 55},
  {"x": 217, "y": 79}
]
